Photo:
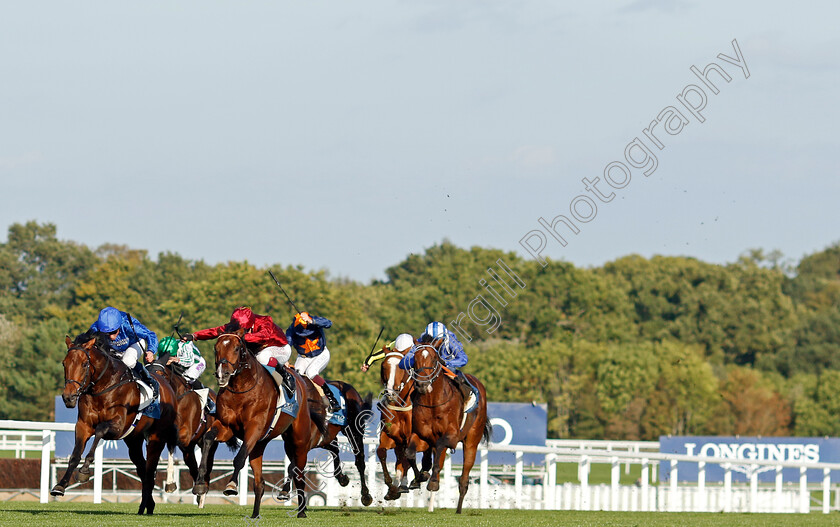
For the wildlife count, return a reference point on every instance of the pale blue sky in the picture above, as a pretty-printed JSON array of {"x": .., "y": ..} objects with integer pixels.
[{"x": 346, "y": 135}]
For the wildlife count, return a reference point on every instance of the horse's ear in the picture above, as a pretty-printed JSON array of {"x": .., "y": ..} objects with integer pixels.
[
  {"x": 68, "y": 341},
  {"x": 90, "y": 343},
  {"x": 240, "y": 332}
]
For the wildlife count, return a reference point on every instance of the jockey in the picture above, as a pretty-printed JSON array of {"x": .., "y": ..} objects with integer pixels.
[
  {"x": 129, "y": 339},
  {"x": 402, "y": 343},
  {"x": 186, "y": 354},
  {"x": 262, "y": 336},
  {"x": 450, "y": 350},
  {"x": 306, "y": 334}
]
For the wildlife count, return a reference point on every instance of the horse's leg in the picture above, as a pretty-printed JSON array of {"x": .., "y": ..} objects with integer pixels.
[
  {"x": 300, "y": 482},
  {"x": 394, "y": 491},
  {"x": 211, "y": 455},
  {"x": 469, "y": 461},
  {"x": 259, "y": 481},
  {"x": 135, "y": 453},
  {"x": 154, "y": 448},
  {"x": 248, "y": 444},
  {"x": 426, "y": 462},
  {"x": 338, "y": 473},
  {"x": 439, "y": 457},
  {"x": 217, "y": 432},
  {"x": 83, "y": 433},
  {"x": 169, "y": 484},
  {"x": 84, "y": 470}
]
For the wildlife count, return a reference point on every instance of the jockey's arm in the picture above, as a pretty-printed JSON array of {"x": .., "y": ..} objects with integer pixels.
[
  {"x": 407, "y": 362},
  {"x": 321, "y": 322}
]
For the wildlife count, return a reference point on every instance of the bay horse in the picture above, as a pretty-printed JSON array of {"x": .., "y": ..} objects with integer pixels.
[
  {"x": 438, "y": 415},
  {"x": 396, "y": 428},
  {"x": 108, "y": 400},
  {"x": 192, "y": 421},
  {"x": 357, "y": 413},
  {"x": 245, "y": 409}
]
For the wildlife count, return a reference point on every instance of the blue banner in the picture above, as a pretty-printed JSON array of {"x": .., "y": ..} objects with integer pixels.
[{"x": 744, "y": 449}]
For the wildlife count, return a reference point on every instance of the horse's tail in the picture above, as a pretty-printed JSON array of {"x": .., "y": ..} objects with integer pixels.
[
  {"x": 488, "y": 432},
  {"x": 319, "y": 420},
  {"x": 366, "y": 413},
  {"x": 232, "y": 444}
]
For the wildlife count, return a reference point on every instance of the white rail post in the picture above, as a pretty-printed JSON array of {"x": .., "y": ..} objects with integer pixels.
[
  {"x": 446, "y": 482},
  {"x": 674, "y": 488},
  {"x": 46, "y": 452},
  {"x": 518, "y": 479},
  {"x": 97, "y": 471},
  {"x": 243, "y": 484},
  {"x": 727, "y": 488},
  {"x": 374, "y": 465},
  {"x": 777, "y": 503},
  {"x": 826, "y": 490},
  {"x": 702, "y": 500},
  {"x": 550, "y": 480},
  {"x": 583, "y": 469},
  {"x": 615, "y": 475},
  {"x": 753, "y": 488},
  {"x": 484, "y": 492},
  {"x": 804, "y": 498},
  {"x": 645, "y": 480}
]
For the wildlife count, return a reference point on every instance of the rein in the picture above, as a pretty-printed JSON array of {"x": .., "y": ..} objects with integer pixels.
[
  {"x": 404, "y": 390},
  {"x": 84, "y": 386}
]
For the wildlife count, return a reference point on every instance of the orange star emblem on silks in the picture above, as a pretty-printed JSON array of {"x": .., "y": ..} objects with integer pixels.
[{"x": 310, "y": 345}]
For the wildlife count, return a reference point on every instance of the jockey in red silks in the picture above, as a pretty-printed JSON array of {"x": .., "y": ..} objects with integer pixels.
[
  {"x": 306, "y": 334},
  {"x": 262, "y": 336}
]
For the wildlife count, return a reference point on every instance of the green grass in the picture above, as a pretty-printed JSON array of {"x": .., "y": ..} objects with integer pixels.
[{"x": 23, "y": 514}]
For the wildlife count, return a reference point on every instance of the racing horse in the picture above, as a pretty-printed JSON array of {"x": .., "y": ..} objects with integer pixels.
[
  {"x": 246, "y": 410},
  {"x": 192, "y": 420},
  {"x": 396, "y": 430},
  {"x": 438, "y": 418},
  {"x": 108, "y": 400}
]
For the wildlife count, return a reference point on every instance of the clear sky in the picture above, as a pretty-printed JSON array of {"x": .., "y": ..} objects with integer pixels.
[{"x": 346, "y": 135}]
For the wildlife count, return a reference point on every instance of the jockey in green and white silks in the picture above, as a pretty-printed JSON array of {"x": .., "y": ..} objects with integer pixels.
[{"x": 186, "y": 354}]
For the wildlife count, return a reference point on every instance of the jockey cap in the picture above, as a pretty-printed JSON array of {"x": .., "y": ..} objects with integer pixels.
[
  {"x": 404, "y": 342},
  {"x": 109, "y": 320}
]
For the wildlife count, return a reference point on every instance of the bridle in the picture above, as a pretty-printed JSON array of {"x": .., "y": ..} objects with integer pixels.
[
  {"x": 241, "y": 362},
  {"x": 402, "y": 392},
  {"x": 86, "y": 385},
  {"x": 417, "y": 374}
]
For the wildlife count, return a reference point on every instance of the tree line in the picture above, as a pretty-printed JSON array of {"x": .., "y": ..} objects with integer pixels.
[{"x": 634, "y": 349}]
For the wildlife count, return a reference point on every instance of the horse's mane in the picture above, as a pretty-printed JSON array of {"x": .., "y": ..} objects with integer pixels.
[{"x": 102, "y": 340}]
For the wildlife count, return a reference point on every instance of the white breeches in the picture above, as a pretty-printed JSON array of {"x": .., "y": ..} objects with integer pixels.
[
  {"x": 312, "y": 366},
  {"x": 282, "y": 354},
  {"x": 132, "y": 353},
  {"x": 195, "y": 370}
]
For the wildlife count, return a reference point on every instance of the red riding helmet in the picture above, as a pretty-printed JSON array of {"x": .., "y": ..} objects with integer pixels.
[{"x": 243, "y": 317}]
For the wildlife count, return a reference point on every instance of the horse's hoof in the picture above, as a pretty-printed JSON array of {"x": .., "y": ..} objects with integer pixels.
[
  {"x": 301, "y": 514},
  {"x": 404, "y": 489},
  {"x": 393, "y": 494},
  {"x": 424, "y": 476},
  {"x": 150, "y": 509},
  {"x": 414, "y": 485},
  {"x": 367, "y": 499},
  {"x": 283, "y": 496},
  {"x": 433, "y": 486},
  {"x": 58, "y": 490},
  {"x": 169, "y": 487},
  {"x": 231, "y": 490},
  {"x": 83, "y": 477},
  {"x": 200, "y": 489},
  {"x": 343, "y": 479}
]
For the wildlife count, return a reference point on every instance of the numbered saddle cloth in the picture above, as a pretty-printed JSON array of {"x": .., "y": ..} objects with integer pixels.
[{"x": 340, "y": 417}]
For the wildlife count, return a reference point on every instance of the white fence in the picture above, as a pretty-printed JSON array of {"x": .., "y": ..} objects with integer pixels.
[{"x": 547, "y": 494}]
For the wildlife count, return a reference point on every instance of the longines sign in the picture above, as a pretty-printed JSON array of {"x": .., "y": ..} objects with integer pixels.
[{"x": 745, "y": 449}]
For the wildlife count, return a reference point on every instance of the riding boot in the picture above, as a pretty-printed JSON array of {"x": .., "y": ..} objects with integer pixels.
[
  {"x": 334, "y": 405},
  {"x": 463, "y": 386},
  {"x": 146, "y": 377},
  {"x": 197, "y": 385},
  {"x": 288, "y": 380}
]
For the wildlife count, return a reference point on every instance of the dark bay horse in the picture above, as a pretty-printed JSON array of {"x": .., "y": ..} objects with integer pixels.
[
  {"x": 245, "y": 409},
  {"x": 358, "y": 412},
  {"x": 396, "y": 428},
  {"x": 438, "y": 415},
  {"x": 192, "y": 421},
  {"x": 108, "y": 400}
]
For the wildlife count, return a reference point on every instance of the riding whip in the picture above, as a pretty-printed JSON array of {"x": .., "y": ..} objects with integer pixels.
[{"x": 284, "y": 291}]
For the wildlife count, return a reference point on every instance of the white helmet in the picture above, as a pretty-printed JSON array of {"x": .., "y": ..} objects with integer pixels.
[{"x": 404, "y": 342}]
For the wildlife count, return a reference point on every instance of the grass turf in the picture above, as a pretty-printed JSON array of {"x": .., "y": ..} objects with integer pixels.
[{"x": 88, "y": 515}]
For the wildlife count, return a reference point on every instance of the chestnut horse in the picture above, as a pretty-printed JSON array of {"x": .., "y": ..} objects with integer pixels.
[
  {"x": 192, "y": 421},
  {"x": 438, "y": 414},
  {"x": 396, "y": 432},
  {"x": 108, "y": 400},
  {"x": 245, "y": 409}
]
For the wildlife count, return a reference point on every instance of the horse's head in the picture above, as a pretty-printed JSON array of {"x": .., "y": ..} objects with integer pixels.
[
  {"x": 392, "y": 376},
  {"x": 78, "y": 374},
  {"x": 231, "y": 356},
  {"x": 427, "y": 367}
]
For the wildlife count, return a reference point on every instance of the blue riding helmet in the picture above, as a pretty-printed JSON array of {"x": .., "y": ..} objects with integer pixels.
[
  {"x": 435, "y": 331},
  {"x": 110, "y": 319}
]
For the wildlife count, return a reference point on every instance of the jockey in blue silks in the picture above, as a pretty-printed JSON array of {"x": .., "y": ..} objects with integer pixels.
[
  {"x": 130, "y": 340},
  {"x": 450, "y": 351}
]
